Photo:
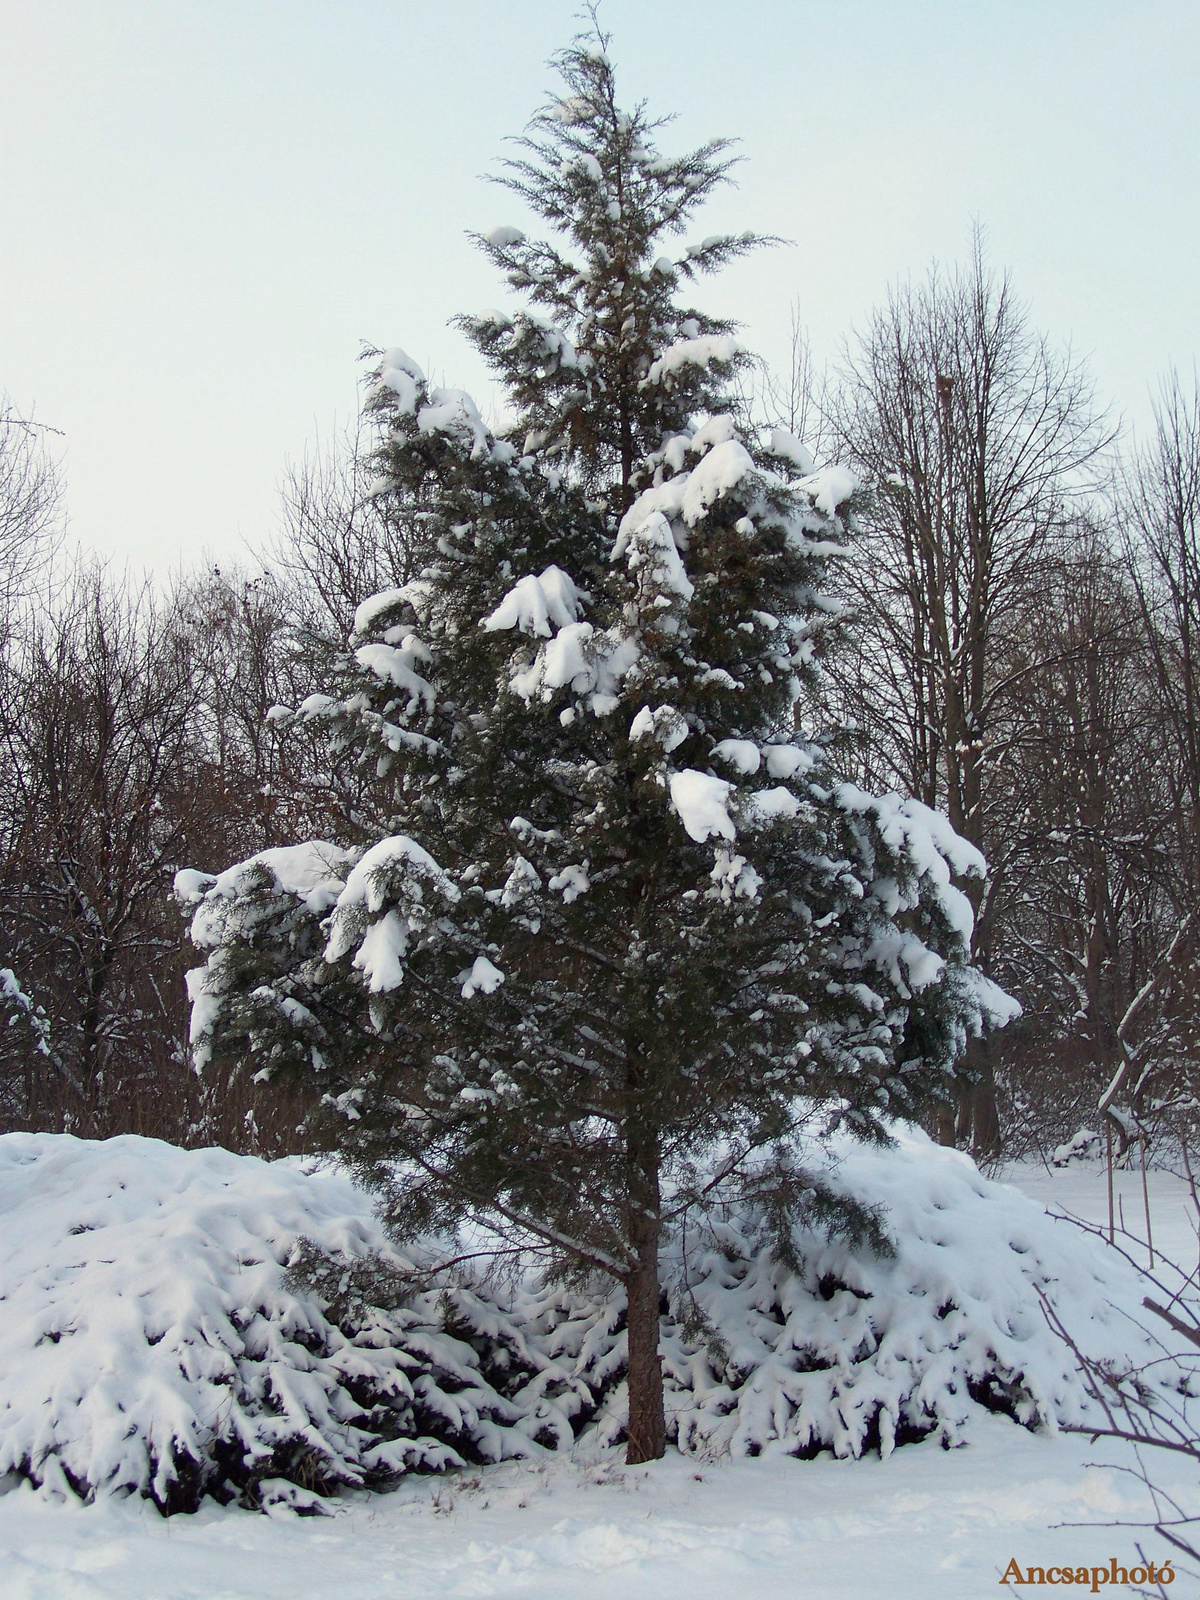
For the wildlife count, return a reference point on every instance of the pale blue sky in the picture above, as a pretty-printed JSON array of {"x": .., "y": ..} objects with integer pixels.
[{"x": 206, "y": 205}]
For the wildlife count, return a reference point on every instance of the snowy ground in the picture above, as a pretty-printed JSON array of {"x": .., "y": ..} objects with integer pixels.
[{"x": 927, "y": 1522}]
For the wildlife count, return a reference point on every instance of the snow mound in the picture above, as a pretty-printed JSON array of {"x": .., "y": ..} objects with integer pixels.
[
  {"x": 154, "y": 1341},
  {"x": 151, "y": 1342}
]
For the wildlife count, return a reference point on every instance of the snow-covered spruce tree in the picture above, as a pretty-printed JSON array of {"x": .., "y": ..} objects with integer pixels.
[{"x": 596, "y": 904}]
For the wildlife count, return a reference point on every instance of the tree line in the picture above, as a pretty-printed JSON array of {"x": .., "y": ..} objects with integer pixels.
[{"x": 1020, "y": 609}]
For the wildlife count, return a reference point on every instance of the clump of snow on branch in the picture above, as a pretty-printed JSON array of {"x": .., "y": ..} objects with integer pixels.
[
  {"x": 828, "y": 488},
  {"x": 22, "y": 1009},
  {"x": 396, "y": 665},
  {"x": 398, "y": 384},
  {"x": 535, "y": 602},
  {"x": 665, "y": 725},
  {"x": 369, "y": 905},
  {"x": 701, "y": 802},
  {"x": 484, "y": 978},
  {"x": 702, "y": 352},
  {"x": 278, "y": 891},
  {"x": 373, "y": 608},
  {"x": 788, "y": 448},
  {"x": 389, "y": 898}
]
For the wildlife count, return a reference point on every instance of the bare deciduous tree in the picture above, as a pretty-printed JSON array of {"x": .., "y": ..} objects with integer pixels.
[
  {"x": 31, "y": 517},
  {"x": 340, "y": 539},
  {"x": 135, "y": 739},
  {"x": 1158, "y": 513},
  {"x": 1077, "y": 910},
  {"x": 96, "y": 752},
  {"x": 973, "y": 434},
  {"x": 1160, "y": 519}
]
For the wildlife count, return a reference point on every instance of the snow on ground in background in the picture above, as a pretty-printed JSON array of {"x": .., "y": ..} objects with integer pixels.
[
  {"x": 1079, "y": 1190},
  {"x": 925, "y": 1523}
]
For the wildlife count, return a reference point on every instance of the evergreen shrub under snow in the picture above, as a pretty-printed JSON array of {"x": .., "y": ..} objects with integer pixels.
[{"x": 154, "y": 1341}]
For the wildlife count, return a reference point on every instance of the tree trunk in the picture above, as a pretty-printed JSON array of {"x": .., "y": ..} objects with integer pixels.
[
  {"x": 977, "y": 1126},
  {"x": 962, "y": 1120},
  {"x": 985, "y": 1114},
  {"x": 647, "y": 1432}
]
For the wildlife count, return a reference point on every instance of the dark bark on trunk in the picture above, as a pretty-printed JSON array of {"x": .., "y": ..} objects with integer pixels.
[
  {"x": 985, "y": 1114},
  {"x": 647, "y": 1433},
  {"x": 962, "y": 1123},
  {"x": 977, "y": 1125}
]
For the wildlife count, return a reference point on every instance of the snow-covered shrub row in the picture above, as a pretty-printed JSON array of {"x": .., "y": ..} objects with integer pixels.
[{"x": 154, "y": 1341}]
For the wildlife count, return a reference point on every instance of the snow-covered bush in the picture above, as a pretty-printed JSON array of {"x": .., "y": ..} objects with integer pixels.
[
  {"x": 18, "y": 1010},
  {"x": 822, "y": 1340},
  {"x": 1082, "y": 1146},
  {"x": 154, "y": 1341}
]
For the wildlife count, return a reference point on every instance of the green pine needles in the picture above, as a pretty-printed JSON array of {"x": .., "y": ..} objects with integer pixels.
[{"x": 610, "y": 365}]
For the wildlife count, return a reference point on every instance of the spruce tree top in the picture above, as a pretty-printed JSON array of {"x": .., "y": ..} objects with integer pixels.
[{"x": 610, "y": 365}]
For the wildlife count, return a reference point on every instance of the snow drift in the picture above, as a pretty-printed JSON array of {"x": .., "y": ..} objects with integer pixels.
[{"x": 153, "y": 1340}]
